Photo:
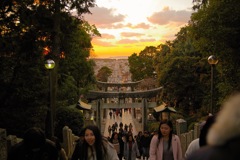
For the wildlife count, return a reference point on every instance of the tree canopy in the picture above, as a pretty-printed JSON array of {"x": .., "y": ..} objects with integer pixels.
[
  {"x": 104, "y": 73},
  {"x": 181, "y": 64},
  {"x": 31, "y": 32}
]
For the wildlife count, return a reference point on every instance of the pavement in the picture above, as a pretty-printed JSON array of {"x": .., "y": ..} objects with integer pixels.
[{"x": 126, "y": 118}]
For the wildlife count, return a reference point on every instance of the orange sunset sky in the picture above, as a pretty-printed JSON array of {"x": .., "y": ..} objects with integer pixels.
[{"x": 128, "y": 26}]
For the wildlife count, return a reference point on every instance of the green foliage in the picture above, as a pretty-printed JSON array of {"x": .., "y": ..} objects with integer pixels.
[
  {"x": 104, "y": 73},
  {"x": 135, "y": 65},
  {"x": 26, "y": 29},
  {"x": 182, "y": 66},
  {"x": 216, "y": 30},
  {"x": 209, "y": 33},
  {"x": 67, "y": 91},
  {"x": 71, "y": 117},
  {"x": 152, "y": 126},
  {"x": 181, "y": 85},
  {"x": 141, "y": 67},
  {"x": 18, "y": 120}
]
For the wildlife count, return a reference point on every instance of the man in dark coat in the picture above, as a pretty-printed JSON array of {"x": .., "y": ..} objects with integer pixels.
[{"x": 145, "y": 141}]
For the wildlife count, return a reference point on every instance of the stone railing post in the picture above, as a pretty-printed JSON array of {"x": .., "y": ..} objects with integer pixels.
[
  {"x": 66, "y": 140},
  {"x": 196, "y": 130},
  {"x": 3, "y": 144},
  {"x": 181, "y": 126},
  {"x": 69, "y": 141}
]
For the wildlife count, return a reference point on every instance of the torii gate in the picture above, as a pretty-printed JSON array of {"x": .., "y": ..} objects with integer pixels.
[{"x": 97, "y": 97}]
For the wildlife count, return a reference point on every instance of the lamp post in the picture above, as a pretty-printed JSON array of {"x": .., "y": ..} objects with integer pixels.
[
  {"x": 212, "y": 60},
  {"x": 49, "y": 65}
]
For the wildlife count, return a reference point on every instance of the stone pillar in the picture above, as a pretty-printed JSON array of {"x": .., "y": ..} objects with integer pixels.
[
  {"x": 3, "y": 144},
  {"x": 99, "y": 115},
  {"x": 104, "y": 110},
  {"x": 144, "y": 116},
  {"x": 189, "y": 137},
  {"x": 68, "y": 141},
  {"x": 196, "y": 130},
  {"x": 134, "y": 113},
  {"x": 183, "y": 140},
  {"x": 181, "y": 126}
]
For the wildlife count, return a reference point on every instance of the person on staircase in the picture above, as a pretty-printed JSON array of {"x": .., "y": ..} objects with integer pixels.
[
  {"x": 117, "y": 142},
  {"x": 145, "y": 141},
  {"x": 131, "y": 151},
  {"x": 165, "y": 145},
  {"x": 94, "y": 146}
]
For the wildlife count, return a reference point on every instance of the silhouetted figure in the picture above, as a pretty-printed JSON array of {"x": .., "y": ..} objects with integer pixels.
[
  {"x": 145, "y": 142},
  {"x": 61, "y": 152},
  {"x": 34, "y": 146},
  {"x": 110, "y": 114},
  {"x": 223, "y": 138}
]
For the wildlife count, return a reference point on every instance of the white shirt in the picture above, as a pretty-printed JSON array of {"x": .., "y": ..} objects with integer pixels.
[{"x": 193, "y": 146}]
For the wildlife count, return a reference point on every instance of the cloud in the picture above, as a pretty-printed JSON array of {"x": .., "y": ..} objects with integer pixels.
[
  {"x": 103, "y": 17},
  {"x": 131, "y": 34},
  {"x": 127, "y": 41},
  {"x": 118, "y": 26},
  {"x": 139, "y": 25},
  {"x": 142, "y": 25},
  {"x": 148, "y": 40},
  {"x": 167, "y": 16},
  {"x": 107, "y": 36},
  {"x": 102, "y": 43},
  {"x": 129, "y": 25}
]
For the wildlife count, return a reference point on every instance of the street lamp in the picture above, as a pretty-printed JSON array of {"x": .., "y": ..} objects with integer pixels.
[
  {"x": 49, "y": 65},
  {"x": 212, "y": 60}
]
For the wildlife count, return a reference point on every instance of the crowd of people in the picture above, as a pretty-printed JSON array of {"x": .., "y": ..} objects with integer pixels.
[
  {"x": 219, "y": 139},
  {"x": 129, "y": 147},
  {"x": 122, "y": 128}
]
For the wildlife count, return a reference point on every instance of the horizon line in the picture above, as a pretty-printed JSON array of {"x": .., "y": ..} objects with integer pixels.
[{"x": 111, "y": 57}]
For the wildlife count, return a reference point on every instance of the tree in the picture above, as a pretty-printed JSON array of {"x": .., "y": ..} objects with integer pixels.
[
  {"x": 143, "y": 63},
  {"x": 104, "y": 73},
  {"x": 181, "y": 84},
  {"x": 32, "y": 31},
  {"x": 216, "y": 31},
  {"x": 71, "y": 117}
]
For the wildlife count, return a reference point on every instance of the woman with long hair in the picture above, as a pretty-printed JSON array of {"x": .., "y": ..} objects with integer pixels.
[
  {"x": 94, "y": 146},
  {"x": 131, "y": 151},
  {"x": 165, "y": 145},
  {"x": 118, "y": 144}
]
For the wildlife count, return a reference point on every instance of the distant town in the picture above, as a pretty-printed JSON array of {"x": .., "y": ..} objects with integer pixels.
[{"x": 119, "y": 67}]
